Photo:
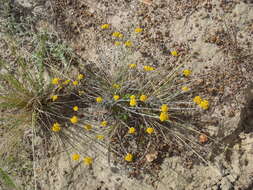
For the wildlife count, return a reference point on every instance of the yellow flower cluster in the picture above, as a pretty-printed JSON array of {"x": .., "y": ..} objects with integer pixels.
[
  {"x": 129, "y": 157},
  {"x": 204, "y": 104},
  {"x": 197, "y": 99},
  {"x": 148, "y": 68},
  {"x": 56, "y": 127},
  {"x": 150, "y": 130},
  {"x": 117, "y": 43},
  {"x": 187, "y": 72},
  {"x": 164, "y": 116},
  {"x": 117, "y": 86},
  {"x": 88, "y": 160},
  {"x": 116, "y": 97},
  {"x": 185, "y": 88},
  {"x": 104, "y": 123},
  {"x": 75, "y": 108},
  {"x": 132, "y": 65},
  {"x": 132, "y": 101},
  {"x": 174, "y": 53},
  {"x": 99, "y": 99},
  {"x": 131, "y": 130},
  {"x": 100, "y": 137},
  {"x": 143, "y": 98},
  {"x": 75, "y": 157},
  {"x": 66, "y": 82},
  {"x": 132, "y": 97},
  {"x": 105, "y": 26},
  {"x": 75, "y": 82},
  {"x": 117, "y": 35},
  {"x": 164, "y": 108},
  {"x": 128, "y": 44},
  {"x": 55, "y": 81},
  {"x": 80, "y": 76},
  {"x": 138, "y": 30},
  {"x": 74, "y": 119},
  {"x": 164, "y": 113},
  {"x": 54, "y": 97},
  {"x": 87, "y": 127}
]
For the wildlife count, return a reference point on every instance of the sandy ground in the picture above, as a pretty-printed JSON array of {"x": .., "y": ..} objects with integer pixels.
[{"x": 214, "y": 39}]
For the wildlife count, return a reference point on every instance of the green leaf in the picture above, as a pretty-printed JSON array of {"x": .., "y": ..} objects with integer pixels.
[
  {"x": 9, "y": 101},
  {"x": 14, "y": 83},
  {"x": 127, "y": 96},
  {"x": 6, "y": 180}
]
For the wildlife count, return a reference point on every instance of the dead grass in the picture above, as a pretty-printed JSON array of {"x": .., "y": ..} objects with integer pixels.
[{"x": 25, "y": 97}]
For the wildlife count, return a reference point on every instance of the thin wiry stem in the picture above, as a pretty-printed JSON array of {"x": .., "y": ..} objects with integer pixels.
[
  {"x": 130, "y": 110},
  {"x": 33, "y": 149}
]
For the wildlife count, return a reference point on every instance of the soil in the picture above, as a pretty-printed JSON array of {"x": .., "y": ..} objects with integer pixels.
[{"x": 214, "y": 40}]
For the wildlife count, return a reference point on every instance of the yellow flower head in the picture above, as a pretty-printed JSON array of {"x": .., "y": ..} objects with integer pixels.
[
  {"x": 148, "y": 68},
  {"x": 133, "y": 102},
  {"x": 55, "y": 81},
  {"x": 74, "y": 119},
  {"x": 87, "y": 127},
  {"x": 164, "y": 116},
  {"x": 204, "y": 104},
  {"x": 128, "y": 44},
  {"x": 150, "y": 130},
  {"x": 117, "y": 34},
  {"x": 88, "y": 160},
  {"x": 143, "y": 98},
  {"x": 116, "y": 97},
  {"x": 132, "y": 97},
  {"x": 186, "y": 72},
  {"x": 66, "y": 82},
  {"x": 56, "y": 127},
  {"x": 117, "y": 86},
  {"x": 197, "y": 99},
  {"x": 80, "y": 76},
  {"x": 129, "y": 157},
  {"x": 105, "y": 26},
  {"x": 75, "y": 108},
  {"x": 174, "y": 53},
  {"x": 75, "y": 157},
  {"x": 138, "y": 30},
  {"x": 185, "y": 88},
  {"x": 104, "y": 123},
  {"x": 164, "y": 108},
  {"x": 100, "y": 137},
  {"x": 54, "y": 97},
  {"x": 131, "y": 130},
  {"x": 75, "y": 82},
  {"x": 132, "y": 66},
  {"x": 99, "y": 99},
  {"x": 117, "y": 43}
]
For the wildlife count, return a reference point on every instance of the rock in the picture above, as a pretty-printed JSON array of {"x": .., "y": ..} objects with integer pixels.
[
  {"x": 212, "y": 130},
  {"x": 226, "y": 185},
  {"x": 152, "y": 156},
  {"x": 147, "y": 2},
  {"x": 24, "y": 3}
]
